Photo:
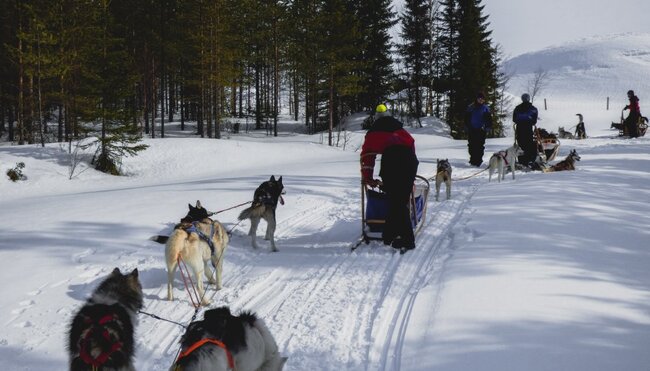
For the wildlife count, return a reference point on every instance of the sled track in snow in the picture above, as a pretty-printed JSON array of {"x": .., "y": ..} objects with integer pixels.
[
  {"x": 313, "y": 304},
  {"x": 420, "y": 264}
]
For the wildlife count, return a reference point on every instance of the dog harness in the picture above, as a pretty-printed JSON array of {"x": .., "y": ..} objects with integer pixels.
[
  {"x": 503, "y": 155},
  {"x": 84, "y": 353},
  {"x": 200, "y": 343},
  {"x": 204, "y": 237}
]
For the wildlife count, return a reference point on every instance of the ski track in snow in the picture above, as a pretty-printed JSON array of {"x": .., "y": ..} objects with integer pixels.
[{"x": 317, "y": 309}]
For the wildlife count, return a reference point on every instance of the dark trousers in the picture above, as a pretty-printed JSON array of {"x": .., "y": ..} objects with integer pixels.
[
  {"x": 476, "y": 146},
  {"x": 399, "y": 166},
  {"x": 631, "y": 123},
  {"x": 526, "y": 142}
]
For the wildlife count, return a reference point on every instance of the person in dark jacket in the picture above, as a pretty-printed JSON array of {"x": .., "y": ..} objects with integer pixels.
[
  {"x": 525, "y": 117},
  {"x": 478, "y": 121},
  {"x": 635, "y": 113},
  {"x": 399, "y": 165},
  {"x": 581, "y": 131}
]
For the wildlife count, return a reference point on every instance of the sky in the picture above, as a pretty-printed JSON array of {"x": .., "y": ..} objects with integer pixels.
[{"x": 522, "y": 26}]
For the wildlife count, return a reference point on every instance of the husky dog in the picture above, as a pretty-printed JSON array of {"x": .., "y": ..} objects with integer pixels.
[
  {"x": 196, "y": 213},
  {"x": 564, "y": 134},
  {"x": 443, "y": 174},
  {"x": 101, "y": 334},
  {"x": 197, "y": 243},
  {"x": 265, "y": 201},
  {"x": 569, "y": 163},
  {"x": 222, "y": 341},
  {"x": 500, "y": 160}
]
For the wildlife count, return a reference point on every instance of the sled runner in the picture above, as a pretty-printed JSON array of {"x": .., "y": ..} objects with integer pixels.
[{"x": 374, "y": 208}]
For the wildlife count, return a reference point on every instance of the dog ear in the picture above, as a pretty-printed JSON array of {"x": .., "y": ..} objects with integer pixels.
[
  {"x": 190, "y": 206},
  {"x": 198, "y": 204},
  {"x": 280, "y": 179},
  {"x": 116, "y": 272},
  {"x": 134, "y": 273},
  {"x": 272, "y": 178}
]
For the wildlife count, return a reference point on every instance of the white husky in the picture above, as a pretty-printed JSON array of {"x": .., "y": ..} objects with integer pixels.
[
  {"x": 500, "y": 160},
  {"x": 197, "y": 244}
]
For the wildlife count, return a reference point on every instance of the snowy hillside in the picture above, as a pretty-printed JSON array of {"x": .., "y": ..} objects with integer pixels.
[{"x": 582, "y": 74}]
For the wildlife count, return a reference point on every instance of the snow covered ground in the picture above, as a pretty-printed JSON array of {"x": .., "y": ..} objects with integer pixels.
[{"x": 546, "y": 272}]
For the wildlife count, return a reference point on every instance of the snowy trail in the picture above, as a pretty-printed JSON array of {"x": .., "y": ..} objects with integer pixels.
[{"x": 309, "y": 292}]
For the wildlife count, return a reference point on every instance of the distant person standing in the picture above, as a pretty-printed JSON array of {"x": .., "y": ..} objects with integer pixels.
[
  {"x": 525, "y": 117},
  {"x": 478, "y": 121},
  {"x": 581, "y": 132},
  {"x": 635, "y": 113}
]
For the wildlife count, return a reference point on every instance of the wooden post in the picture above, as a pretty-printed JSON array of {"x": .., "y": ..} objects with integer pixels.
[
  {"x": 545, "y": 106},
  {"x": 608, "y": 103}
]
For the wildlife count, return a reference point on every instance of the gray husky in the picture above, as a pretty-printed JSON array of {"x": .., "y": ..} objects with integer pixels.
[
  {"x": 443, "y": 175},
  {"x": 569, "y": 163},
  {"x": 222, "y": 341},
  {"x": 265, "y": 201},
  {"x": 101, "y": 334}
]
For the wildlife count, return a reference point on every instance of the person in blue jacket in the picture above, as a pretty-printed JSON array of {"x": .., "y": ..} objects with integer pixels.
[{"x": 478, "y": 121}]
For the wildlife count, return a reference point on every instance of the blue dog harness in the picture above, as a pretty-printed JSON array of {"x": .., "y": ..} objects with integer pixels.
[{"x": 203, "y": 236}]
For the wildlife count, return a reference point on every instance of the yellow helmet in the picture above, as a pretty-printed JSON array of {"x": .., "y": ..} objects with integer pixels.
[{"x": 381, "y": 108}]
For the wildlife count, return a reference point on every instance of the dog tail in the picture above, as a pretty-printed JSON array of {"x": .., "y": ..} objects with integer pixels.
[
  {"x": 159, "y": 239},
  {"x": 246, "y": 213},
  {"x": 255, "y": 210}
]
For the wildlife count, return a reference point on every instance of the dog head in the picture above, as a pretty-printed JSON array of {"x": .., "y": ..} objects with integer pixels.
[
  {"x": 125, "y": 289},
  {"x": 443, "y": 165},
  {"x": 574, "y": 155},
  {"x": 196, "y": 213}
]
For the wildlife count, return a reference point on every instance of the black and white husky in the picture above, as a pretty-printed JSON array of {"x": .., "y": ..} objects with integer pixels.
[
  {"x": 265, "y": 201},
  {"x": 443, "y": 175},
  {"x": 101, "y": 334},
  {"x": 222, "y": 341},
  {"x": 500, "y": 160}
]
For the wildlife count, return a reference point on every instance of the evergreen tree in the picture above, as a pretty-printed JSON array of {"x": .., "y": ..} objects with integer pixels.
[
  {"x": 114, "y": 80},
  {"x": 416, "y": 26},
  {"x": 376, "y": 72}
]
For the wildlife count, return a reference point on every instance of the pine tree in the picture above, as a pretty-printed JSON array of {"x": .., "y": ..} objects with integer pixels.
[
  {"x": 416, "y": 26},
  {"x": 114, "y": 81},
  {"x": 376, "y": 72}
]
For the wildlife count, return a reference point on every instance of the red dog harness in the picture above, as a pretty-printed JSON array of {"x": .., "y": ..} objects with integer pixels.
[
  {"x": 103, "y": 356},
  {"x": 200, "y": 343}
]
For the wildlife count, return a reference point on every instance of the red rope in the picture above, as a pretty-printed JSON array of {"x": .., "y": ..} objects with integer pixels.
[{"x": 186, "y": 277}]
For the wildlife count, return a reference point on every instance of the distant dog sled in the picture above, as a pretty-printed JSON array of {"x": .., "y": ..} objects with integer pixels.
[{"x": 374, "y": 209}]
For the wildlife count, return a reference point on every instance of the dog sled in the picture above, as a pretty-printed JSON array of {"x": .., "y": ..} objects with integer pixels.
[
  {"x": 374, "y": 209},
  {"x": 548, "y": 145},
  {"x": 623, "y": 131}
]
